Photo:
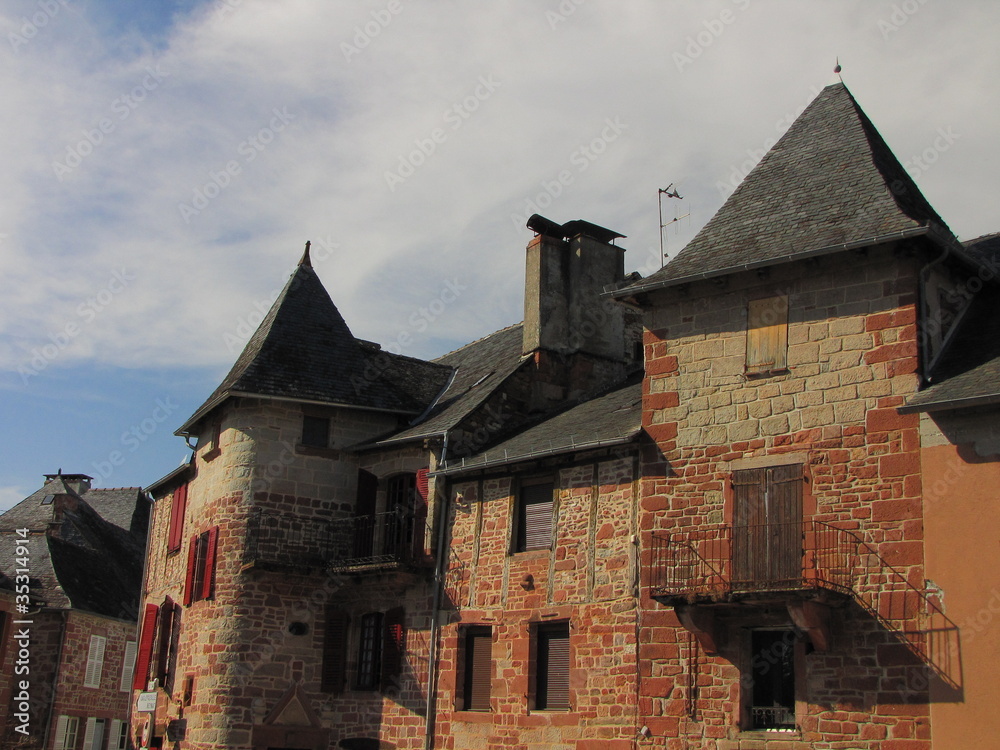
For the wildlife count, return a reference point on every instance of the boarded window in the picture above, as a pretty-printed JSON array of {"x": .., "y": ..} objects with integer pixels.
[
  {"x": 95, "y": 661},
  {"x": 478, "y": 672},
  {"x": 178, "y": 505},
  {"x": 534, "y": 517},
  {"x": 145, "y": 655},
  {"x": 315, "y": 431},
  {"x": 767, "y": 335},
  {"x": 393, "y": 648},
  {"x": 370, "y": 651},
  {"x": 552, "y": 667},
  {"x": 334, "y": 650}
]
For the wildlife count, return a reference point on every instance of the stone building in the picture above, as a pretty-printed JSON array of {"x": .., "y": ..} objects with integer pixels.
[
  {"x": 71, "y": 634},
  {"x": 534, "y": 541},
  {"x": 793, "y": 548}
]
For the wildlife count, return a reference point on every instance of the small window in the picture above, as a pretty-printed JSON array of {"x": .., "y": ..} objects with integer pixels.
[
  {"x": 767, "y": 335},
  {"x": 47, "y": 500},
  {"x": 315, "y": 431},
  {"x": 200, "y": 581},
  {"x": 213, "y": 440},
  {"x": 370, "y": 652},
  {"x": 477, "y": 674},
  {"x": 533, "y": 523},
  {"x": 769, "y": 700},
  {"x": 95, "y": 661},
  {"x": 67, "y": 728},
  {"x": 552, "y": 667}
]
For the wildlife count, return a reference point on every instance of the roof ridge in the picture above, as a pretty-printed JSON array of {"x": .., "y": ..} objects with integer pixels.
[{"x": 477, "y": 341}]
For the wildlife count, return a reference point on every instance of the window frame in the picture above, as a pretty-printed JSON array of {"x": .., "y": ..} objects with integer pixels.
[
  {"x": 370, "y": 640},
  {"x": 199, "y": 583},
  {"x": 547, "y": 696},
  {"x": 310, "y": 423},
  {"x": 530, "y": 504},
  {"x": 767, "y": 335},
  {"x": 752, "y": 684}
]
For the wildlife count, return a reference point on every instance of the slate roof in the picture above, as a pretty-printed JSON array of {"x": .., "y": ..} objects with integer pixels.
[
  {"x": 612, "y": 419},
  {"x": 304, "y": 351},
  {"x": 968, "y": 373},
  {"x": 80, "y": 559},
  {"x": 830, "y": 180},
  {"x": 479, "y": 368}
]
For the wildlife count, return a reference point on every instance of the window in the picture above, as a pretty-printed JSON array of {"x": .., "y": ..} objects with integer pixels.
[
  {"x": 128, "y": 666},
  {"x": 200, "y": 580},
  {"x": 552, "y": 667},
  {"x": 533, "y": 524},
  {"x": 66, "y": 731},
  {"x": 95, "y": 661},
  {"x": 334, "y": 650},
  {"x": 142, "y": 662},
  {"x": 477, "y": 673},
  {"x": 767, "y": 335},
  {"x": 213, "y": 440},
  {"x": 370, "y": 651},
  {"x": 118, "y": 739},
  {"x": 93, "y": 736},
  {"x": 315, "y": 431},
  {"x": 769, "y": 698},
  {"x": 767, "y": 527},
  {"x": 178, "y": 504},
  {"x": 166, "y": 648}
]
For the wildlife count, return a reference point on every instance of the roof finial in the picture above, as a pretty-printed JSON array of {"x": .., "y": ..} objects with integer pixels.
[
  {"x": 305, "y": 257},
  {"x": 837, "y": 69}
]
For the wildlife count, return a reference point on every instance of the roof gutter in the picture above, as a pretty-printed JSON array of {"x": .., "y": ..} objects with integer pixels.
[
  {"x": 882, "y": 239},
  {"x": 951, "y": 404},
  {"x": 590, "y": 445}
]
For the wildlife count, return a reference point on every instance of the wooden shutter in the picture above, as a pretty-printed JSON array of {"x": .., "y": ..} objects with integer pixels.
[
  {"x": 208, "y": 576},
  {"x": 767, "y": 335},
  {"x": 536, "y": 516},
  {"x": 334, "y": 651},
  {"x": 95, "y": 661},
  {"x": 393, "y": 647},
  {"x": 767, "y": 527},
  {"x": 420, "y": 513},
  {"x": 552, "y": 678},
  {"x": 478, "y": 668},
  {"x": 165, "y": 629},
  {"x": 141, "y": 677},
  {"x": 62, "y": 724},
  {"x": 128, "y": 666},
  {"x": 115, "y": 738},
  {"x": 177, "y": 507},
  {"x": 189, "y": 575},
  {"x": 749, "y": 533},
  {"x": 93, "y": 736},
  {"x": 784, "y": 516}
]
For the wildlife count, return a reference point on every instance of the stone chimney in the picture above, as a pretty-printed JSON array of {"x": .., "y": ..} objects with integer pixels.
[
  {"x": 79, "y": 483},
  {"x": 568, "y": 266}
]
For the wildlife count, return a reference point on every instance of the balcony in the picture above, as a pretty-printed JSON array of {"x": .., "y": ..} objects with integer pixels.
[
  {"x": 798, "y": 564},
  {"x": 382, "y": 541}
]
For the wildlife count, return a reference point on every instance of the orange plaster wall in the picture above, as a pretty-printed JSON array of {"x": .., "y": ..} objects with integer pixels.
[{"x": 962, "y": 536}]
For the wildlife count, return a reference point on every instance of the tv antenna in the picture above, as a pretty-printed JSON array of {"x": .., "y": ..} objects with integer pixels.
[{"x": 671, "y": 192}]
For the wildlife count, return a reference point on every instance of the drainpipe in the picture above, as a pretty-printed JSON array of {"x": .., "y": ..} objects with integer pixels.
[
  {"x": 442, "y": 558},
  {"x": 55, "y": 678}
]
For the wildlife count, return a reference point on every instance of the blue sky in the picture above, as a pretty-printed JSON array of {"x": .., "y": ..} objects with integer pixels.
[{"x": 166, "y": 162}]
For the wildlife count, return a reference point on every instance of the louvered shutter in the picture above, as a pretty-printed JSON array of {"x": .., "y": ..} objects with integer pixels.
[
  {"x": 164, "y": 628},
  {"x": 93, "y": 736},
  {"x": 478, "y": 669},
  {"x": 60, "y": 740},
  {"x": 393, "y": 647},
  {"x": 536, "y": 517},
  {"x": 767, "y": 335},
  {"x": 142, "y": 661},
  {"x": 553, "y": 669},
  {"x": 128, "y": 666},
  {"x": 208, "y": 577},
  {"x": 114, "y": 739},
  {"x": 177, "y": 508},
  {"x": 189, "y": 575},
  {"x": 334, "y": 650},
  {"x": 420, "y": 513},
  {"x": 95, "y": 661}
]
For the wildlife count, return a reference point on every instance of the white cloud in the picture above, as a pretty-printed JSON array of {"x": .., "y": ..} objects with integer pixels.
[{"x": 195, "y": 102}]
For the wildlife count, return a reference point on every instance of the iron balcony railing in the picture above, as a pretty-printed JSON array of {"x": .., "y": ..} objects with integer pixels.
[
  {"x": 380, "y": 540},
  {"x": 718, "y": 562}
]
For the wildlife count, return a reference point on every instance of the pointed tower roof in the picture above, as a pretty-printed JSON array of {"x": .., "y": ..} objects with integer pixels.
[
  {"x": 829, "y": 181},
  {"x": 304, "y": 351}
]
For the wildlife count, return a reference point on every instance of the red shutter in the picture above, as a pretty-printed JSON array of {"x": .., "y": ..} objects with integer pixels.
[
  {"x": 334, "y": 651},
  {"x": 177, "y": 507},
  {"x": 393, "y": 647},
  {"x": 189, "y": 577},
  {"x": 141, "y": 675},
  {"x": 209, "y": 576},
  {"x": 420, "y": 514},
  {"x": 423, "y": 483}
]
